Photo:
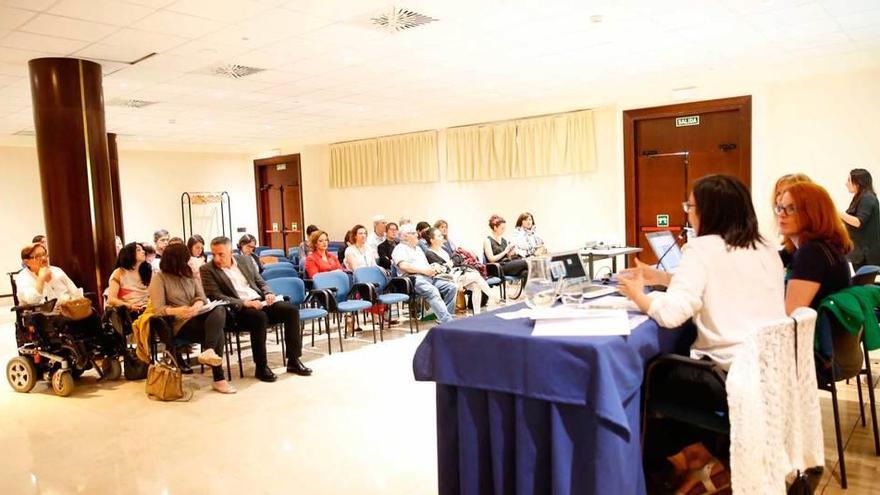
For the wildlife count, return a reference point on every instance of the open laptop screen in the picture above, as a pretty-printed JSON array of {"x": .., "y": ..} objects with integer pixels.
[
  {"x": 574, "y": 265},
  {"x": 661, "y": 242}
]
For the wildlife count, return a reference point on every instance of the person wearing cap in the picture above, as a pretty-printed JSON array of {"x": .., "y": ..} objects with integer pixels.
[
  {"x": 377, "y": 236},
  {"x": 39, "y": 282},
  {"x": 409, "y": 259}
]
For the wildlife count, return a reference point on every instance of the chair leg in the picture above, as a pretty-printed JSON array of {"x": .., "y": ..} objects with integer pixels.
[
  {"x": 238, "y": 351},
  {"x": 871, "y": 400},
  {"x": 840, "y": 458},
  {"x": 373, "y": 321},
  {"x": 338, "y": 331},
  {"x": 329, "y": 335},
  {"x": 228, "y": 352},
  {"x": 313, "y": 332},
  {"x": 283, "y": 346},
  {"x": 861, "y": 400}
]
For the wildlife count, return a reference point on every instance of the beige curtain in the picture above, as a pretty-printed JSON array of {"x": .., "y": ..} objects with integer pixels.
[
  {"x": 399, "y": 159},
  {"x": 540, "y": 146}
]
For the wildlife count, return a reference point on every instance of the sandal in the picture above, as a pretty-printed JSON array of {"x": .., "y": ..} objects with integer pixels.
[{"x": 709, "y": 479}]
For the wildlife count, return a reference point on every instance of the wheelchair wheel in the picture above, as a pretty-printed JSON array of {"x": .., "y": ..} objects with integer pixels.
[
  {"x": 111, "y": 368},
  {"x": 62, "y": 383},
  {"x": 21, "y": 373}
]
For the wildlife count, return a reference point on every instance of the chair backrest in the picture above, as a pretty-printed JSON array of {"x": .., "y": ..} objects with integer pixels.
[
  {"x": 336, "y": 246},
  {"x": 292, "y": 287},
  {"x": 259, "y": 249},
  {"x": 281, "y": 265},
  {"x": 278, "y": 253},
  {"x": 280, "y": 273},
  {"x": 371, "y": 275},
  {"x": 268, "y": 260},
  {"x": 335, "y": 279},
  {"x": 14, "y": 286},
  {"x": 866, "y": 275},
  {"x": 293, "y": 252}
]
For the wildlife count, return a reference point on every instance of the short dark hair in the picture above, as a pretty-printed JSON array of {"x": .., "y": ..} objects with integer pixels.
[
  {"x": 422, "y": 226},
  {"x": 428, "y": 234},
  {"x": 496, "y": 220},
  {"x": 176, "y": 240},
  {"x": 175, "y": 261},
  {"x": 38, "y": 238},
  {"x": 245, "y": 239},
  {"x": 127, "y": 259},
  {"x": 159, "y": 234},
  {"x": 148, "y": 248},
  {"x": 220, "y": 240},
  {"x": 522, "y": 218},
  {"x": 724, "y": 205},
  {"x": 310, "y": 229},
  {"x": 389, "y": 224}
]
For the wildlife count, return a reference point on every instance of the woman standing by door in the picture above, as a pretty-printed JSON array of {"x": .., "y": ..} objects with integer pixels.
[{"x": 862, "y": 219}]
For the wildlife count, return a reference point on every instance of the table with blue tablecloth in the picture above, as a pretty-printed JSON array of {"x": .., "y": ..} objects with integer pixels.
[{"x": 518, "y": 414}]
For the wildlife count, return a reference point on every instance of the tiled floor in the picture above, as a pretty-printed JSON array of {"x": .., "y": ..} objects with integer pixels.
[{"x": 360, "y": 424}]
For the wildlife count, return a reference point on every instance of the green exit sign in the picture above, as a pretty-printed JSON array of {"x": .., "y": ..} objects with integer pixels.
[
  {"x": 663, "y": 220},
  {"x": 686, "y": 121}
]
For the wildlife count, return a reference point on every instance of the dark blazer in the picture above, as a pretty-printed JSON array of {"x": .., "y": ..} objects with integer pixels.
[{"x": 218, "y": 286}]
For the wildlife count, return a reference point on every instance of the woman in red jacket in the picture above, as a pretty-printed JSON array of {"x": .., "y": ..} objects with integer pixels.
[{"x": 319, "y": 260}]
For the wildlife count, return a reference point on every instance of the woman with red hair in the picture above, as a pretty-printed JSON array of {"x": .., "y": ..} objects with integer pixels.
[{"x": 815, "y": 245}]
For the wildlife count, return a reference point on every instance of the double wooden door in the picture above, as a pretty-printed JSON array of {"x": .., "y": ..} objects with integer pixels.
[{"x": 668, "y": 148}]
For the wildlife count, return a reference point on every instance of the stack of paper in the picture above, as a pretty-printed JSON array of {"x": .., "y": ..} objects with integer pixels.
[{"x": 571, "y": 322}]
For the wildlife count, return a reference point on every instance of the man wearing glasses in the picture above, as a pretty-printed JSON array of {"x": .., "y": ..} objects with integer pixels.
[{"x": 38, "y": 282}]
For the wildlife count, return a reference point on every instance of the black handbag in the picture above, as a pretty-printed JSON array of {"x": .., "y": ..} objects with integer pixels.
[
  {"x": 135, "y": 369},
  {"x": 800, "y": 485}
]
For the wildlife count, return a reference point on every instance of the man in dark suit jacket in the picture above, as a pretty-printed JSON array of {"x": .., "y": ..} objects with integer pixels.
[{"x": 233, "y": 279}]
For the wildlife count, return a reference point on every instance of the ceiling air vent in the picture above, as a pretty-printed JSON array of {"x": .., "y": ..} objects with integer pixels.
[
  {"x": 234, "y": 71},
  {"x": 130, "y": 103},
  {"x": 398, "y": 19}
]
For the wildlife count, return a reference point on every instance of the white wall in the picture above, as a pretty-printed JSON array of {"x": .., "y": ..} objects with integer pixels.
[{"x": 151, "y": 183}]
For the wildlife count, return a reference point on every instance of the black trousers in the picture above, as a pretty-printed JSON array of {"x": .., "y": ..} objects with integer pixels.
[
  {"x": 517, "y": 268},
  {"x": 258, "y": 320},
  {"x": 207, "y": 328}
]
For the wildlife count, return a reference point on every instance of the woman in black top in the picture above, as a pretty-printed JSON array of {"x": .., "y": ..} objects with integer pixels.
[
  {"x": 386, "y": 247},
  {"x": 862, "y": 219},
  {"x": 498, "y": 250}
]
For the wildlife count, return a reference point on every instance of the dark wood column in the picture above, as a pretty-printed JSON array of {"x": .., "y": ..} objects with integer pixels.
[
  {"x": 114, "y": 184},
  {"x": 68, "y": 107}
]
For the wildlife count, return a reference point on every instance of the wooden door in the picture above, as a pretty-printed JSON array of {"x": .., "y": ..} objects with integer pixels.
[
  {"x": 279, "y": 201},
  {"x": 668, "y": 148}
]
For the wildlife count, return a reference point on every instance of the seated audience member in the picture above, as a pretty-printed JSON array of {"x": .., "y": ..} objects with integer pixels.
[
  {"x": 377, "y": 236},
  {"x": 150, "y": 255},
  {"x": 232, "y": 279},
  {"x": 39, "y": 282},
  {"x": 448, "y": 245},
  {"x": 421, "y": 227},
  {"x": 320, "y": 260},
  {"x": 527, "y": 242},
  {"x": 410, "y": 260},
  {"x": 196, "y": 246},
  {"x": 463, "y": 276},
  {"x": 385, "y": 249},
  {"x": 783, "y": 183},
  {"x": 130, "y": 281},
  {"x": 359, "y": 254},
  {"x": 304, "y": 245},
  {"x": 160, "y": 240},
  {"x": 730, "y": 280},
  {"x": 348, "y": 238},
  {"x": 174, "y": 291},
  {"x": 176, "y": 240},
  {"x": 815, "y": 244},
  {"x": 41, "y": 239},
  {"x": 246, "y": 246},
  {"x": 498, "y": 250}
]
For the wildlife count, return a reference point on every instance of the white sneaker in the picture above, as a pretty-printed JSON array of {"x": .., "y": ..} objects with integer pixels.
[
  {"x": 210, "y": 358},
  {"x": 224, "y": 387}
]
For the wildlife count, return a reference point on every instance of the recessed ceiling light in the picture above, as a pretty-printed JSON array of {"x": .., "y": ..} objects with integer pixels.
[{"x": 596, "y": 19}]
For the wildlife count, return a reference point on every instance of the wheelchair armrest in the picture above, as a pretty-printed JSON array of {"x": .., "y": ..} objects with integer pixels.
[
  {"x": 25, "y": 307},
  {"x": 494, "y": 270}
]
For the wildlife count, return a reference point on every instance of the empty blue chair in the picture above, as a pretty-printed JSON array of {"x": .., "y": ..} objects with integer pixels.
[
  {"x": 260, "y": 249},
  {"x": 278, "y": 253},
  {"x": 866, "y": 275},
  {"x": 337, "y": 284},
  {"x": 284, "y": 272},
  {"x": 293, "y": 290},
  {"x": 281, "y": 265},
  {"x": 388, "y": 292}
]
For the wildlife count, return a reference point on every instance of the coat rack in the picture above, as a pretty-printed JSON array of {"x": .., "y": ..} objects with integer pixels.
[{"x": 188, "y": 199}]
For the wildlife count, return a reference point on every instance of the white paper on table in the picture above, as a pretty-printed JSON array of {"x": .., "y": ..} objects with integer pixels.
[
  {"x": 513, "y": 315},
  {"x": 588, "y": 323},
  {"x": 637, "y": 320},
  {"x": 613, "y": 302},
  {"x": 211, "y": 305}
]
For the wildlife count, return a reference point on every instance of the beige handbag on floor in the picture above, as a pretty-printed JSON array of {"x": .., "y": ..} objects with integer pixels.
[{"x": 165, "y": 381}]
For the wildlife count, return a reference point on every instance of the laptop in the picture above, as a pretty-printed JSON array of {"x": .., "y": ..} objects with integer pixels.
[
  {"x": 664, "y": 245},
  {"x": 576, "y": 275}
]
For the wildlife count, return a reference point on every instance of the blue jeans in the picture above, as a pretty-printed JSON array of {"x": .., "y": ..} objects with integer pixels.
[{"x": 440, "y": 295}]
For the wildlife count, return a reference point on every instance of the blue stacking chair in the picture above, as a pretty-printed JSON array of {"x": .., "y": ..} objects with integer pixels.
[
  {"x": 278, "y": 253},
  {"x": 338, "y": 285},
  {"x": 388, "y": 291},
  {"x": 866, "y": 275},
  {"x": 495, "y": 277},
  {"x": 284, "y": 271},
  {"x": 293, "y": 290},
  {"x": 259, "y": 249},
  {"x": 280, "y": 264}
]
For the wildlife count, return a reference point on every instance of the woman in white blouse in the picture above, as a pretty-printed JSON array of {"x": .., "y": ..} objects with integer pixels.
[
  {"x": 358, "y": 254},
  {"x": 730, "y": 280},
  {"x": 527, "y": 241}
]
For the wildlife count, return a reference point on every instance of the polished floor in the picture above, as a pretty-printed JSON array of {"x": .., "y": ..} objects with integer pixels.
[{"x": 360, "y": 424}]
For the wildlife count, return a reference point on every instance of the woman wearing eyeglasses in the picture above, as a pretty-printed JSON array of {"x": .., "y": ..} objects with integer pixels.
[
  {"x": 862, "y": 219},
  {"x": 815, "y": 245},
  {"x": 39, "y": 282}
]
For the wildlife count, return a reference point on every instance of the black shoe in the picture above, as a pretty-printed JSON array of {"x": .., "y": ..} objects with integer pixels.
[
  {"x": 296, "y": 367},
  {"x": 266, "y": 375},
  {"x": 184, "y": 366}
]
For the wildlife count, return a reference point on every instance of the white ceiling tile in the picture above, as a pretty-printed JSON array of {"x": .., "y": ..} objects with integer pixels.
[
  {"x": 144, "y": 40},
  {"x": 71, "y": 28},
  {"x": 12, "y": 18},
  {"x": 220, "y": 10},
  {"x": 16, "y": 56},
  {"x": 34, "y": 5},
  {"x": 104, "y": 11},
  {"x": 863, "y": 20},
  {"x": 847, "y": 7},
  {"x": 37, "y": 42},
  {"x": 156, "y": 4},
  {"x": 337, "y": 9},
  {"x": 117, "y": 53},
  {"x": 175, "y": 24}
]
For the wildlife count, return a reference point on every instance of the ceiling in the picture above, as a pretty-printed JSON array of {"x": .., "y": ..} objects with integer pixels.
[{"x": 331, "y": 75}]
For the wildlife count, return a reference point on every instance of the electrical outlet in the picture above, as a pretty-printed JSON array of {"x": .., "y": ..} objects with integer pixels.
[{"x": 241, "y": 230}]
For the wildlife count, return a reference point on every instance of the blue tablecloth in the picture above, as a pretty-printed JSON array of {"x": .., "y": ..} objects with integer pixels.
[{"x": 537, "y": 415}]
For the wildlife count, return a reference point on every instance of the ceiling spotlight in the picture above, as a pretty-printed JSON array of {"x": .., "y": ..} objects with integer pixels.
[{"x": 595, "y": 19}]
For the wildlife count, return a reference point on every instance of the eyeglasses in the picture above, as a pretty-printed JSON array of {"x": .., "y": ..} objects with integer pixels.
[
  {"x": 687, "y": 206},
  {"x": 784, "y": 210},
  {"x": 39, "y": 256}
]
